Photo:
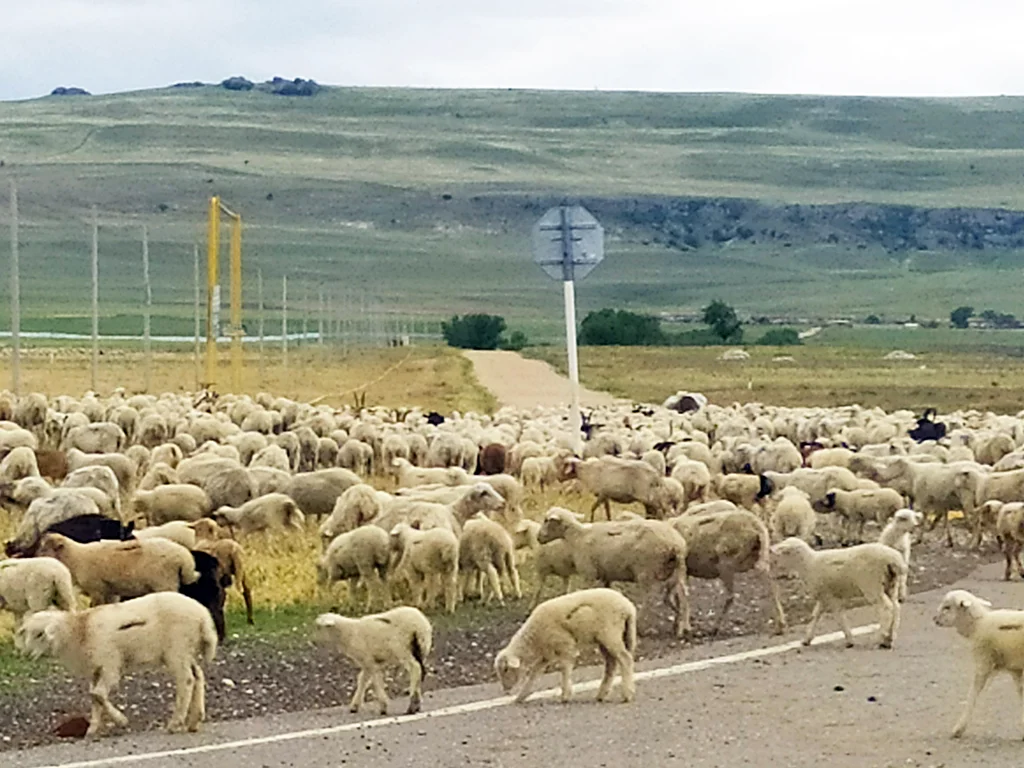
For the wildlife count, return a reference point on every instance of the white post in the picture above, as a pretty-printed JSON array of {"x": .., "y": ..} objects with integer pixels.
[
  {"x": 147, "y": 348},
  {"x": 95, "y": 297},
  {"x": 569, "y": 294},
  {"x": 15, "y": 297},
  {"x": 259, "y": 294},
  {"x": 195, "y": 301},
  {"x": 284, "y": 321}
]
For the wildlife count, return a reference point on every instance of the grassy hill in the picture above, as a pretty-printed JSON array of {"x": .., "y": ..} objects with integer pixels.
[{"x": 417, "y": 203}]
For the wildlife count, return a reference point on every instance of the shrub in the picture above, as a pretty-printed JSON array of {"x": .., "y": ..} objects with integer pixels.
[
  {"x": 515, "y": 342},
  {"x": 873, "y": 320},
  {"x": 618, "y": 327},
  {"x": 723, "y": 321},
  {"x": 780, "y": 337},
  {"x": 958, "y": 317},
  {"x": 478, "y": 331}
]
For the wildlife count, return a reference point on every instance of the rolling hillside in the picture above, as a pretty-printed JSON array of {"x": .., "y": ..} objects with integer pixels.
[{"x": 417, "y": 203}]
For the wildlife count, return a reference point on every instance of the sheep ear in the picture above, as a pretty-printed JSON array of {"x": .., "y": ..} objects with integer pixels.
[
  {"x": 513, "y": 662},
  {"x": 50, "y": 633}
]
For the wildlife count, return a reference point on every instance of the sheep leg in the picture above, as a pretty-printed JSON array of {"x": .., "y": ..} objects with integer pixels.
[
  {"x": 536, "y": 595},
  {"x": 104, "y": 680},
  {"x": 594, "y": 508},
  {"x": 495, "y": 584},
  {"x": 197, "y": 706},
  {"x": 728, "y": 581},
  {"x": 982, "y": 673},
  {"x": 415, "y": 686},
  {"x": 566, "y": 674},
  {"x": 844, "y": 624},
  {"x": 362, "y": 683},
  {"x": 379, "y": 690},
  {"x": 780, "y": 614},
  {"x": 1018, "y": 680},
  {"x": 451, "y": 589},
  {"x": 609, "y": 673},
  {"x": 1008, "y": 556},
  {"x": 513, "y": 576},
  {"x": 815, "y": 615},
  {"x": 184, "y": 687}
]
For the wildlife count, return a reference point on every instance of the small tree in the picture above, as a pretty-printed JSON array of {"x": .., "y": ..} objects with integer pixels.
[
  {"x": 477, "y": 331},
  {"x": 723, "y": 321},
  {"x": 780, "y": 337},
  {"x": 873, "y": 320},
  {"x": 959, "y": 316},
  {"x": 617, "y": 327},
  {"x": 515, "y": 342}
]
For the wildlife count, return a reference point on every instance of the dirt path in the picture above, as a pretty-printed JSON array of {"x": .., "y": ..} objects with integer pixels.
[{"x": 522, "y": 383}]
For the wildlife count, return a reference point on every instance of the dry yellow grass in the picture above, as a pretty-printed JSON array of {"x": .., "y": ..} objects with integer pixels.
[{"x": 430, "y": 376}]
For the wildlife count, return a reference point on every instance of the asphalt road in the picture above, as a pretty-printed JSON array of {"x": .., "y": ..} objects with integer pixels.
[{"x": 760, "y": 701}]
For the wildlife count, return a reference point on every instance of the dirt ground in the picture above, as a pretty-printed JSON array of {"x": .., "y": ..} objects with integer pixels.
[
  {"x": 522, "y": 383},
  {"x": 258, "y": 677}
]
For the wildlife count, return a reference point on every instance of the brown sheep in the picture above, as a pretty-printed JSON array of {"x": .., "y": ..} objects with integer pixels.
[{"x": 491, "y": 460}]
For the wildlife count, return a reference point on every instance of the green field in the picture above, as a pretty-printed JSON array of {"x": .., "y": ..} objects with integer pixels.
[{"x": 412, "y": 204}]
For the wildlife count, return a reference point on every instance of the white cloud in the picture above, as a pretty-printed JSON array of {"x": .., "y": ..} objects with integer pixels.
[{"x": 885, "y": 47}]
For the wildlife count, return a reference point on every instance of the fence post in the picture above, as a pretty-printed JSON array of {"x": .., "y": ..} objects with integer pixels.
[
  {"x": 284, "y": 321},
  {"x": 259, "y": 293},
  {"x": 95, "y": 297},
  {"x": 147, "y": 348},
  {"x": 15, "y": 297},
  {"x": 195, "y": 287}
]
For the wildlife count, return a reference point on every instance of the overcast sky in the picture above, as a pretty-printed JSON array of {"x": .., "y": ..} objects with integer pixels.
[{"x": 868, "y": 47}]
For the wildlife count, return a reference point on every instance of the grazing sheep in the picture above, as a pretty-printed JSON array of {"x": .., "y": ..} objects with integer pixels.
[
  {"x": 100, "y": 477},
  {"x": 538, "y": 472},
  {"x": 424, "y": 558},
  {"x": 19, "y": 463},
  {"x": 326, "y": 453},
  {"x": 106, "y": 569},
  {"x": 165, "y": 629},
  {"x": 486, "y": 550},
  {"x": 316, "y": 492},
  {"x": 177, "y": 531},
  {"x": 231, "y": 558},
  {"x": 275, "y": 510},
  {"x": 621, "y": 480},
  {"x": 83, "y": 529},
  {"x": 742, "y": 490},
  {"x": 159, "y": 473},
  {"x": 836, "y": 578},
  {"x": 793, "y": 515},
  {"x": 53, "y": 465},
  {"x": 28, "y": 585},
  {"x": 399, "y": 637},
  {"x": 273, "y": 456},
  {"x": 358, "y": 505},
  {"x": 44, "y": 513},
  {"x": 722, "y": 544},
  {"x": 695, "y": 478},
  {"x": 410, "y": 476},
  {"x": 361, "y": 557},
  {"x": 859, "y": 506},
  {"x": 393, "y": 447},
  {"x": 492, "y": 459},
  {"x": 997, "y": 642},
  {"x": 642, "y": 551},
  {"x": 896, "y": 534},
  {"x": 171, "y": 502},
  {"x": 102, "y": 437},
  {"x": 559, "y": 629},
  {"x": 230, "y": 487},
  {"x": 1010, "y": 535},
  {"x": 356, "y": 456}
]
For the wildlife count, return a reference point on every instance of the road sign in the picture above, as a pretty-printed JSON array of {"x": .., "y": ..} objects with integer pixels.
[{"x": 568, "y": 242}]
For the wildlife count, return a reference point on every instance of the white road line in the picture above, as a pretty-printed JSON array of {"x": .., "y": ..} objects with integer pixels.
[{"x": 459, "y": 709}]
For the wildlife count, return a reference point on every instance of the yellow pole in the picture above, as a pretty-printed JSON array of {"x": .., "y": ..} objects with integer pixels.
[
  {"x": 212, "y": 292},
  {"x": 236, "y": 304}
]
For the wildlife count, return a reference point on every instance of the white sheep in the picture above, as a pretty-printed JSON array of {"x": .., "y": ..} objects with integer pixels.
[
  {"x": 178, "y": 501},
  {"x": 997, "y": 642},
  {"x": 399, "y": 637},
  {"x": 410, "y": 476},
  {"x": 559, "y": 629},
  {"x": 793, "y": 515},
  {"x": 621, "y": 480},
  {"x": 837, "y": 578},
  {"x": 165, "y": 629},
  {"x": 486, "y": 550},
  {"x": 275, "y": 510},
  {"x": 862, "y": 505},
  {"x": 424, "y": 558},
  {"x": 358, "y": 505},
  {"x": 19, "y": 463},
  {"x": 538, "y": 472},
  {"x": 109, "y": 569},
  {"x": 28, "y": 585},
  {"x": 360, "y": 556},
  {"x": 897, "y": 534},
  {"x": 177, "y": 531}
]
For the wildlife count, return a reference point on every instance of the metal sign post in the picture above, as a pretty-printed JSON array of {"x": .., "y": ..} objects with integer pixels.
[{"x": 568, "y": 242}]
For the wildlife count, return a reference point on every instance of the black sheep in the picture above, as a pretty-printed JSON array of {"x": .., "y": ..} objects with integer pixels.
[
  {"x": 927, "y": 428},
  {"x": 209, "y": 590},
  {"x": 83, "y": 529}
]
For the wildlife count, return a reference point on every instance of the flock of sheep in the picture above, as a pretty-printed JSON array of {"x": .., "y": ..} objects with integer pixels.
[{"x": 145, "y": 504}]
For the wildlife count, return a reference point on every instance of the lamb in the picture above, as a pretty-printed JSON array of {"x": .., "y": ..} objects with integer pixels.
[
  {"x": 997, "y": 642},
  {"x": 1010, "y": 535},
  {"x": 100, "y": 643},
  {"x": 422, "y": 558},
  {"x": 641, "y": 551},
  {"x": 486, "y": 549},
  {"x": 165, "y": 503},
  {"x": 177, "y": 531},
  {"x": 836, "y": 578},
  {"x": 621, "y": 480},
  {"x": 896, "y": 534},
  {"x": 793, "y": 515},
  {"x": 410, "y": 476},
  {"x": 400, "y": 637},
  {"x": 360, "y": 556},
  {"x": 34, "y": 584},
  {"x": 859, "y": 506},
  {"x": 559, "y": 629},
  {"x": 106, "y": 569},
  {"x": 538, "y": 471},
  {"x": 275, "y": 510},
  {"x": 722, "y": 544}
]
